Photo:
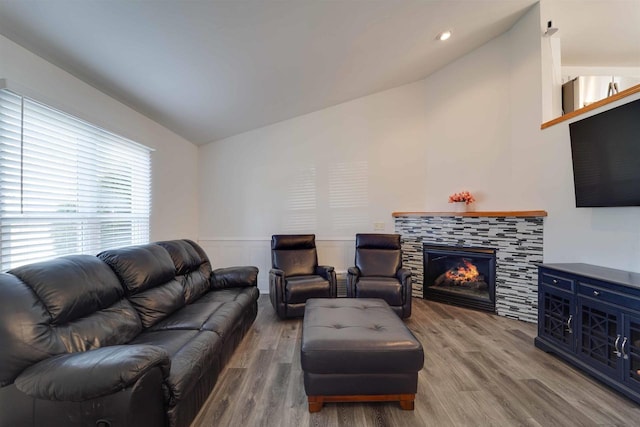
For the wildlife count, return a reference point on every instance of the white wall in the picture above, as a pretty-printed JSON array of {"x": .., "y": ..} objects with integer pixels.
[
  {"x": 404, "y": 149},
  {"x": 601, "y": 236},
  {"x": 174, "y": 173},
  {"x": 473, "y": 125}
]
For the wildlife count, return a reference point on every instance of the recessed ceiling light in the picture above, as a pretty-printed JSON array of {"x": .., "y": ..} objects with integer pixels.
[{"x": 443, "y": 35}]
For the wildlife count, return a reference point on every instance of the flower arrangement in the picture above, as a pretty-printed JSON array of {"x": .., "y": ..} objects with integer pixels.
[{"x": 463, "y": 196}]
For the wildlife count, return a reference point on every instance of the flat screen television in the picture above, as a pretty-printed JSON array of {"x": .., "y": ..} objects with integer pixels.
[{"x": 605, "y": 150}]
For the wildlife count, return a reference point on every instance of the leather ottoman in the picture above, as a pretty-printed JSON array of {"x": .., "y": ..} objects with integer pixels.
[{"x": 356, "y": 350}]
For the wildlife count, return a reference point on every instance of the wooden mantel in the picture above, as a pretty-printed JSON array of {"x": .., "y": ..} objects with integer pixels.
[{"x": 519, "y": 214}]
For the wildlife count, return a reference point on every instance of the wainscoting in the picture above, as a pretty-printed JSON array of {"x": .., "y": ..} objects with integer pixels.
[{"x": 226, "y": 252}]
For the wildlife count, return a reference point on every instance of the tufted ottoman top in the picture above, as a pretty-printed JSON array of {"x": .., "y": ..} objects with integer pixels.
[{"x": 350, "y": 336}]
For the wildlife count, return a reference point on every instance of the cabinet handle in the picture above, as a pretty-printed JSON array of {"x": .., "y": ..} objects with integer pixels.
[
  {"x": 596, "y": 293},
  {"x": 617, "y": 350},
  {"x": 569, "y": 329},
  {"x": 624, "y": 354}
]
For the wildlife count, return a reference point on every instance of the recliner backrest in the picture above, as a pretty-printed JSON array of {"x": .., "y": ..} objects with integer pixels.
[
  {"x": 148, "y": 275},
  {"x": 295, "y": 254},
  {"x": 378, "y": 254},
  {"x": 193, "y": 268},
  {"x": 66, "y": 305}
]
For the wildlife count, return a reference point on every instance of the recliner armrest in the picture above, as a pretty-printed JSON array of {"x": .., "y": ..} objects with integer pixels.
[
  {"x": 328, "y": 273},
  {"x": 354, "y": 271},
  {"x": 77, "y": 377},
  {"x": 276, "y": 272},
  {"x": 234, "y": 277},
  {"x": 325, "y": 271},
  {"x": 402, "y": 274}
]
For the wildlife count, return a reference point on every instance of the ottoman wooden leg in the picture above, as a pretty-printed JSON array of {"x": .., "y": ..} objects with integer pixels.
[
  {"x": 315, "y": 403},
  {"x": 406, "y": 401}
]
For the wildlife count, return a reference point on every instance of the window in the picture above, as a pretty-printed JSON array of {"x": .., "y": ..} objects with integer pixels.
[{"x": 66, "y": 186}]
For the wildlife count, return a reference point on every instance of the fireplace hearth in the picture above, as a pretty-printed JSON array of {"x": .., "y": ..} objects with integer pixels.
[{"x": 463, "y": 276}]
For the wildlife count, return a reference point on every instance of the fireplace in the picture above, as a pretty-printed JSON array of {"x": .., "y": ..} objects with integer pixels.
[{"x": 464, "y": 276}]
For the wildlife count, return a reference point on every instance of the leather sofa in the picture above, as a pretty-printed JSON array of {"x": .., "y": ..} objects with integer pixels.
[{"x": 133, "y": 337}]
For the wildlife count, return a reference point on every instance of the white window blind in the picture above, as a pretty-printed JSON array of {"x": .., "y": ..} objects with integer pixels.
[{"x": 66, "y": 186}]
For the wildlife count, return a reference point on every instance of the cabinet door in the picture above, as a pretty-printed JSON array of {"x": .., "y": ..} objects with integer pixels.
[
  {"x": 630, "y": 349},
  {"x": 599, "y": 336},
  {"x": 556, "y": 317}
]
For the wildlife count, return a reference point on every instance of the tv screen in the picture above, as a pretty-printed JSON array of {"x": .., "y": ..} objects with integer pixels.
[{"x": 605, "y": 149}]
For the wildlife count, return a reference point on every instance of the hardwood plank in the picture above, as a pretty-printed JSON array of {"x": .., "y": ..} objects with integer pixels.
[{"x": 480, "y": 369}]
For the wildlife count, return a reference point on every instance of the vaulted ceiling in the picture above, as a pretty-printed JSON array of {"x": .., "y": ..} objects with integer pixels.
[{"x": 211, "y": 69}]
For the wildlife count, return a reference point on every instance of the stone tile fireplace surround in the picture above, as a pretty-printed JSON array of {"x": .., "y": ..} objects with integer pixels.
[{"x": 516, "y": 236}]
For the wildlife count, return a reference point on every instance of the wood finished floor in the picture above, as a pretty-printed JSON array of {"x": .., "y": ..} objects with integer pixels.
[{"x": 479, "y": 370}]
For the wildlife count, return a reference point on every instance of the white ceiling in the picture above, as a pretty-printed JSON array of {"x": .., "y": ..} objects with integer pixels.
[
  {"x": 212, "y": 69},
  {"x": 604, "y": 33}
]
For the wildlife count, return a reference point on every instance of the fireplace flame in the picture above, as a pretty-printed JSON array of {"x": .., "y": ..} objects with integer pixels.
[{"x": 463, "y": 272}]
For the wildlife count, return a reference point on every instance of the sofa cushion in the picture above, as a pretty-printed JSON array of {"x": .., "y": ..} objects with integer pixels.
[
  {"x": 140, "y": 267},
  {"x": 25, "y": 332},
  {"x": 71, "y": 287},
  {"x": 155, "y": 304},
  {"x": 113, "y": 325},
  {"x": 208, "y": 313},
  {"x": 111, "y": 369},
  {"x": 386, "y": 288},
  {"x": 225, "y": 320},
  {"x": 192, "y": 267},
  {"x": 243, "y": 296},
  {"x": 84, "y": 300},
  {"x": 193, "y": 354},
  {"x": 301, "y": 288},
  {"x": 189, "y": 317},
  {"x": 148, "y": 274}
]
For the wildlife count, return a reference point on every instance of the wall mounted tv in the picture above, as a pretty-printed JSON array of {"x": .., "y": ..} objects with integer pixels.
[{"x": 605, "y": 149}]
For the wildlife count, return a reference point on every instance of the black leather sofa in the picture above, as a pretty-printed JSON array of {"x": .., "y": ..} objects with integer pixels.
[{"x": 134, "y": 337}]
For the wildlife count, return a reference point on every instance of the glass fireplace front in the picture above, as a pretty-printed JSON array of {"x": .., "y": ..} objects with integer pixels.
[{"x": 462, "y": 276}]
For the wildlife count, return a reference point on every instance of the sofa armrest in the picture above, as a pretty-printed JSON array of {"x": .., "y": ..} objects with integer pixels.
[
  {"x": 234, "y": 277},
  {"x": 77, "y": 377}
]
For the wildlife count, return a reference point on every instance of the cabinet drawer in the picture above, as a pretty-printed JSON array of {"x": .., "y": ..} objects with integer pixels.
[
  {"x": 557, "y": 282},
  {"x": 607, "y": 295}
]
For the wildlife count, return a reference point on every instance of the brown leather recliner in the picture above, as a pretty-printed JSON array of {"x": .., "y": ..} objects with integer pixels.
[
  {"x": 296, "y": 275},
  {"x": 378, "y": 272}
]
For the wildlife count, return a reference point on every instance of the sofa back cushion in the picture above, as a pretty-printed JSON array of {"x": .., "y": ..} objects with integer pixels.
[
  {"x": 192, "y": 265},
  {"x": 148, "y": 276},
  {"x": 70, "y": 304},
  {"x": 295, "y": 254}
]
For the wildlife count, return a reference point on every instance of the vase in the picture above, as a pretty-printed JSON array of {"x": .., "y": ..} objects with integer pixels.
[{"x": 460, "y": 207}]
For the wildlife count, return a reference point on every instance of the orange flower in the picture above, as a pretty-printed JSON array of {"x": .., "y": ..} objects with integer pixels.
[{"x": 463, "y": 196}]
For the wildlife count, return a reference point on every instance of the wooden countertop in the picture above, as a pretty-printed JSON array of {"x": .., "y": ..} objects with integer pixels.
[{"x": 519, "y": 214}]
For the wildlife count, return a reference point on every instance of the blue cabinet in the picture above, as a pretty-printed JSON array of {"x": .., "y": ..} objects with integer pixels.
[{"x": 590, "y": 317}]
